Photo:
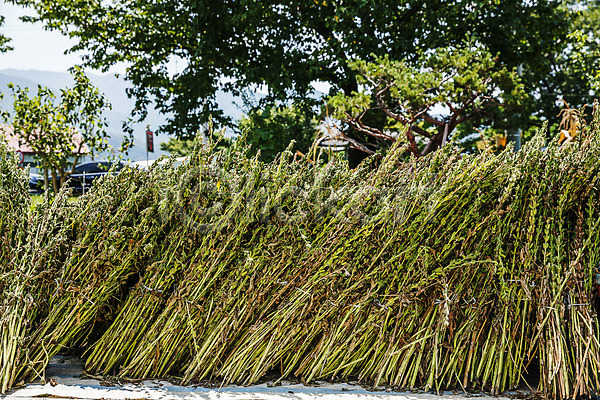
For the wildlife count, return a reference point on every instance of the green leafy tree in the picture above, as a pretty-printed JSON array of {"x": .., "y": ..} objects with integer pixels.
[
  {"x": 38, "y": 122},
  {"x": 83, "y": 106},
  {"x": 582, "y": 69},
  {"x": 179, "y": 147},
  {"x": 184, "y": 147},
  {"x": 58, "y": 131},
  {"x": 4, "y": 40},
  {"x": 428, "y": 98},
  {"x": 286, "y": 46},
  {"x": 4, "y": 47},
  {"x": 271, "y": 129}
]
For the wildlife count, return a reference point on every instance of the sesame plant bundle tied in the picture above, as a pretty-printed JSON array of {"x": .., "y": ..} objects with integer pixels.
[{"x": 452, "y": 271}]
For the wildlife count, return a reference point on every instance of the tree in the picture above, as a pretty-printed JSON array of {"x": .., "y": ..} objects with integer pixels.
[
  {"x": 582, "y": 60},
  {"x": 57, "y": 131},
  {"x": 286, "y": 46},
  {"x": 270, "y": 130},
  {"x": 4, "y": 40},
  {"x": 83, "y": 107},
  {"x": 38, "y": 123},
  {"x": 185, "y": 147},
  {"x": 429, "y": 98},
  {"x": 179, "y": 147}
]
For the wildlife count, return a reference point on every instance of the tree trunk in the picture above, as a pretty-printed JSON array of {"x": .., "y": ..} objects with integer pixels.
[
  {"x": 45, "y": 171},
  {"x": 439, "y": 139},
  {"x": 445, "y": 136},
  {"x": 55, "y": 182},
  {"x": 63, "y": 177}
]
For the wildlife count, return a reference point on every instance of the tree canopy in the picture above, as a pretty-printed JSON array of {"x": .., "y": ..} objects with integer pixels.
[
  {"x": 236, "y": 44},
  {"x": 270, "y": 130},
  {"x": 429, "y": 98},
  {"x": 56, "y": 131},
  {"x": 581, "y": 62},
  {"x": 4, "y": 40},
  {"x": 83, "y": 106}
]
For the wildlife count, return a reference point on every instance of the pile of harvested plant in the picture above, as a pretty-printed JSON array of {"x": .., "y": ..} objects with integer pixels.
[{"x": 453, "y": 271}]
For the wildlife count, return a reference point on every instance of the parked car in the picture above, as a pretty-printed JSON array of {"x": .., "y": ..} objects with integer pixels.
[
  {"x": 86, "y": 173},
  {"x": 36, "y": 183},
  {"x": 147, "y": 164}
]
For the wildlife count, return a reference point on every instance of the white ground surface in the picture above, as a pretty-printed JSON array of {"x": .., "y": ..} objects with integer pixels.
[{"x": 65, "y": 382}]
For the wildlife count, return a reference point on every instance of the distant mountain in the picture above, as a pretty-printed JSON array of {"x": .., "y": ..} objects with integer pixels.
[{"x": 114, "y": 89}]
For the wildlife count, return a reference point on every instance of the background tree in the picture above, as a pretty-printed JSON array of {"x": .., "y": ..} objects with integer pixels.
[
  {"x": 271, "y": 129},
  {"x": 58, "y": 131},
  {"x": 430, "y": 98},
  {"x": 185, "y": 147},
  {"x": 582, "y": 60},
  {"x": 38, "y": 123},
  {"x": 84, "y": 106},
  {"x": 4, "y": 40},
  {"x": 286, "y": 46},
  {"x": 179, "y": 147}
]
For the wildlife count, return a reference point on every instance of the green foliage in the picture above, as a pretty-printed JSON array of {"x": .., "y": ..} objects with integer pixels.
[
  {"x": 185, "y": 147},
  {"x": 583, "y": 57},
  {"x": 4, "y": 40},
  {"x": 83, "y": 105},
  {"x": 572, "y": 72},
  {"x": 270, "y": 130},
  {"x": 49, "y": 128},
  {"x": 38, "y": 122},
  {"x": 449, "y": 271},
  {"x": 179, "y": 147},
  {"x": 465, "y": 84},
  {"x": 14, "y": 202},
  {"x": 287, "y": 45}
]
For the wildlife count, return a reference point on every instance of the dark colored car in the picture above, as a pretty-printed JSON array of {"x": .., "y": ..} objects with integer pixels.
[
  {"x": 36, "y": 183},
  {"x": 86, "y": 173}
]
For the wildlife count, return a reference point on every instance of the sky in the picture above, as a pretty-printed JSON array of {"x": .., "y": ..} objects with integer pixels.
[
  {"x": 39, "y": 49},
  {"x": 34, "y": 47}
]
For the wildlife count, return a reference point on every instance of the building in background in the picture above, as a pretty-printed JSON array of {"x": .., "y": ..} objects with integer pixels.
[{"x": 27, "y": 155}]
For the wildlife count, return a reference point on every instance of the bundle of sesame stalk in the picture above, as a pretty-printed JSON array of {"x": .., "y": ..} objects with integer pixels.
[
  {"x": 14, "y": 202},
  {"x": 32, "y": 246},
  {"x": 453, "y": 271}
]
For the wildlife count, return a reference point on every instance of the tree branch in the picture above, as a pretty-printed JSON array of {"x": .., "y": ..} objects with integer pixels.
[{"x": 431, "y": 120}]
